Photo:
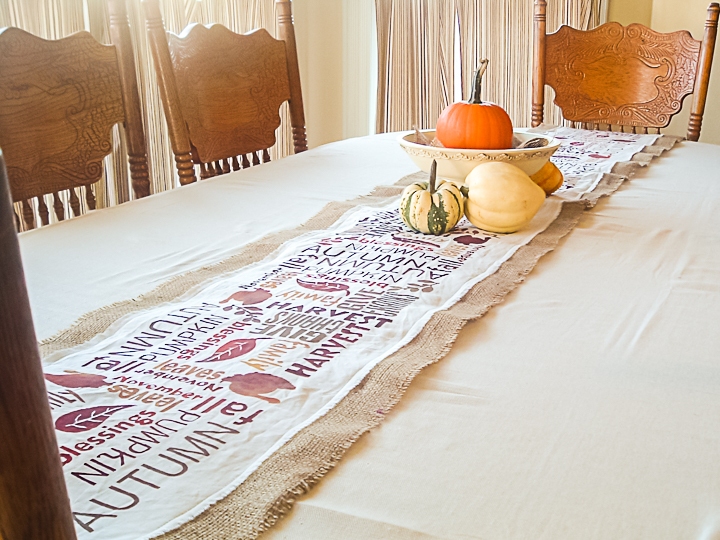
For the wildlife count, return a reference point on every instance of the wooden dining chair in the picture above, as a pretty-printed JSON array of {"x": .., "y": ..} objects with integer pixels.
[
  {"x": 222, "y": 91},
  {"x": 616, "y": 76},
  {"x": 58, "y": 103}
]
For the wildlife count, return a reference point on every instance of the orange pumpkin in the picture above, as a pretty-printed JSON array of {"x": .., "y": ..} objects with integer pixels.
[{"x": 475, "y": 124}]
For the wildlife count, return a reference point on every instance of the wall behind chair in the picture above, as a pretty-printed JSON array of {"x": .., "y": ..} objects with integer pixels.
[
  {"x": 338, "y": 71},
  {"x": 319, "y": 36}
]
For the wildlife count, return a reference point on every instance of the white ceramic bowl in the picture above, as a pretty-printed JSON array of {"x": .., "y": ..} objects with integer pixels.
[{"x": 455, "y": 163}]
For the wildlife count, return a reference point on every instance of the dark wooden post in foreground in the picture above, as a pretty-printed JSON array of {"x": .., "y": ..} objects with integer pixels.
[{"x": 34, "y": 504}]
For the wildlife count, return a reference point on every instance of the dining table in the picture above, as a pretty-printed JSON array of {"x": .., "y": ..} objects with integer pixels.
[{"x": 584, "y": 405}]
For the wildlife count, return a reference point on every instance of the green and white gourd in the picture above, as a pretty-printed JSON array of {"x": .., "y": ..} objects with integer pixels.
[{"x": 429, "y": 210}]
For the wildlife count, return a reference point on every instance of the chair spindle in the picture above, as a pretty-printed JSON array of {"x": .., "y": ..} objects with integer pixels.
[
  {"x": 74, "y": 202},
  {"x": 204, "y": 173},
  {"x": 28, "y": 214},
  {"x": 43, "y": 211},
  {"x": 58, "y": 206},
  {"x": 90, "y": 197}
]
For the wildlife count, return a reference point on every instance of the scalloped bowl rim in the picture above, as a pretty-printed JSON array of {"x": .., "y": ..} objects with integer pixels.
[
  {"x": 455, "y": 164},
  {"x": 552, "y": 142}
]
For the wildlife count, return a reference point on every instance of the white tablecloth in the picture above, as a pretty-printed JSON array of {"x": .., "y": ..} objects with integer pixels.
[{"x": 585, "y": 406}]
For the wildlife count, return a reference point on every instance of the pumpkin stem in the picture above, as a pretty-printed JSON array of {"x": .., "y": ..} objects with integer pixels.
[
  {"x": 477, "y": 83},
  {"x": 433, "y": 174}
]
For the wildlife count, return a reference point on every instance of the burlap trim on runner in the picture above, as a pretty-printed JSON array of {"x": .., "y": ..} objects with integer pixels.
[{"x": 269, "y": 493}]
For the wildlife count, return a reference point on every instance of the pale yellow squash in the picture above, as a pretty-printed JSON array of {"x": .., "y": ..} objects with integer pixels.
[{"x": 501, "y": 197}]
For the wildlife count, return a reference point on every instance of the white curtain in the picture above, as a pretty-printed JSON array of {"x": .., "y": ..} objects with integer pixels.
[{"x": 416, "y": 54}]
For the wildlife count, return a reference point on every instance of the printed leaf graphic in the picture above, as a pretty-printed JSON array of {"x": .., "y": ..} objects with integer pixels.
[
  {"x": 77, "y": 380},
  {"x": 249, "y": 297},
  {"x": 324, "y": 286},
  {"x": 467, "y": 239},
  {"x": 254, "y": 384},
  {"x": 232, "y": 349},
  {"x": 86, "y": 419}
]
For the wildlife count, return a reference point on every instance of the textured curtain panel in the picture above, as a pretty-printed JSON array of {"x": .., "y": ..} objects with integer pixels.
[
  {"x": 416, "y": 54},
  {"x": 415, "y": 61},
  {"x": 53, "y": 19}
]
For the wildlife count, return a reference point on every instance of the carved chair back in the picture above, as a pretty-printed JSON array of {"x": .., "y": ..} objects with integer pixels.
[
  {"x": 618, "y": 75},
  {"x": 222, "y": 92},
  {"x": 58, "y": 103}
]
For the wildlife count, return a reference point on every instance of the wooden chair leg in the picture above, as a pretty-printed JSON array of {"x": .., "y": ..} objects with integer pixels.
[
  {"x": 135, "y": 136},
  {"x": 286, "y": 31},
  {"x": 140, "y": 175},
  {"x": 185, "y": 168},
  {"x": 702, "y": 73},
  {"x": 179, "y": 137},
  {"x": 539, "y": 31},
  {"x": 299, "y": 139}
]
